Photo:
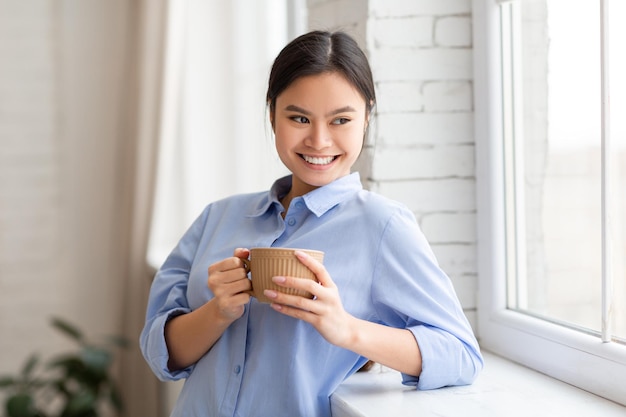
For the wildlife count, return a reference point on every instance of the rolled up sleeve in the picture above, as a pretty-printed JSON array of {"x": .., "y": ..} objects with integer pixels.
[
  {"x": 167, "y": 300},
  {"x": 411, "y": 291}
]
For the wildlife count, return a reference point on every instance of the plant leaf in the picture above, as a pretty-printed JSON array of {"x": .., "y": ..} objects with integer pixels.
[
  {"x": 115, "y": 396},
  {"x": 21, "y": 405},
  {"x": 82, "y": 403},
  {"x": 119, "y": 341},
  {"x": 7, "y": 381},
  {"x": 67, "y": 328},
  {"x": 96, "y": 359},
  {"x": 31, "y": 363}
]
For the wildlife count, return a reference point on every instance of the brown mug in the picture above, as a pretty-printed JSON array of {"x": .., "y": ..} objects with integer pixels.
[{"x": 265, "y": 263}]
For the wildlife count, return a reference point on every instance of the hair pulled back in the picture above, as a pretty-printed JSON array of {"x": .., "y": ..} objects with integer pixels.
[{"x": 320, "y": 52}]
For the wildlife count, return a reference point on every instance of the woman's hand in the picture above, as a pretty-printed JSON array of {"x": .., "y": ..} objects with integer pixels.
[
  {"x": 229, "y": 282},
  {"x": 395, "y": 348},
  {"x": 325, "y": 312},
  {"x": 191, "y": 335}
]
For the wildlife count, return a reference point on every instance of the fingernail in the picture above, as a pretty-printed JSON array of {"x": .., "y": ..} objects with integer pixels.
[
  {"x": 279, "y": 280},
  {"x": 301, "y": 254},
  {"x": 270, "y": 293}
]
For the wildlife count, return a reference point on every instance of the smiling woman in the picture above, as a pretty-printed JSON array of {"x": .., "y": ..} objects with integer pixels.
[{"x": 379, "y": 295}]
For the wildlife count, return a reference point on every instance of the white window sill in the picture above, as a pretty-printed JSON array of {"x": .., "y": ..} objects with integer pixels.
[{"x": 503, "y": 389}]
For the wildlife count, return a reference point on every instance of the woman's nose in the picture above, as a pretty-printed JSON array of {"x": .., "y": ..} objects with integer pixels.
[{"x": 319, "y": 137}]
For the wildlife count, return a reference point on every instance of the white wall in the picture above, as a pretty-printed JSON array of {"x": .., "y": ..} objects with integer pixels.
[{"x": 423, "y": 153}]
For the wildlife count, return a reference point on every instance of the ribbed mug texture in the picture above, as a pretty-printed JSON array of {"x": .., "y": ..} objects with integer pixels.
[{"x": 266, "y": 263}]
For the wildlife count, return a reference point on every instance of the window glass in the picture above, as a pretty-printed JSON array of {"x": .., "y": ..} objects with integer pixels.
[
  {"x": 554, "y": 166},
  {"x": 617, "y": 76}
]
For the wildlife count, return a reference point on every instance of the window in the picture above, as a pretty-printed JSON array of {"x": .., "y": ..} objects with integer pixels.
[
  {"x": 554, "y": 179},
  {"x": 549, "y": 151}
]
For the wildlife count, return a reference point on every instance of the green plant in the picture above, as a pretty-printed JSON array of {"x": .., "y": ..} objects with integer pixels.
[{"x": 72, "y": 384}]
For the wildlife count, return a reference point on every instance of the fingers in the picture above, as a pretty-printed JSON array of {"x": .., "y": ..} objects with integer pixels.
[
  {"x": 228, "y": 276},
  {"x": 297, "y": 301},
  {"x": 294, "y": 305},
  {"x": 232, "y": 263},
  {"x": 302, "y": 284},
  {"x": 296, "y": 312},
  {"x": 316, "y": 267},
  {"x": 242, "y": 253}
]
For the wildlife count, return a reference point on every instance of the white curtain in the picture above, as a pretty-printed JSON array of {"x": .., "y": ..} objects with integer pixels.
[
  {"x": 140, "y": 388},
  {"x": 215, "y": 139}
]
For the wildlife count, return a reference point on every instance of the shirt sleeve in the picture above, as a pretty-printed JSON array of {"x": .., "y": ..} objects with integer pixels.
[
  {"x": 411, "y": 291},
  {"x": 168, "y": 298}
]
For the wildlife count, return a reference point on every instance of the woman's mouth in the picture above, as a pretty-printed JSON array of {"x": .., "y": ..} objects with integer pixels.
[{"x": 318, "y": 160}]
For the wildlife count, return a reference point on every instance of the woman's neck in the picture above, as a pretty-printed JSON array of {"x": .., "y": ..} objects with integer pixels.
[{"x": 286, "y": 201}]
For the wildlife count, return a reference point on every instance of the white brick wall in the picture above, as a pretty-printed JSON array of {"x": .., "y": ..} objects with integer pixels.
[
  {"x": 412, "y": 129},
  {"x": 395, "y": 8},
  {"x": 453, "y": 31},
  {"x": 406, "y": 32},
  {"x": 399, "y": 164},
  {"x": 423, "y": 154},
  {"x": 449, "y": 96},
  {"x": 393, "y": 64}
]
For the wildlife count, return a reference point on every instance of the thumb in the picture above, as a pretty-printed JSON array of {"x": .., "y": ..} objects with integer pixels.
[{"x": 242, "y": 253}]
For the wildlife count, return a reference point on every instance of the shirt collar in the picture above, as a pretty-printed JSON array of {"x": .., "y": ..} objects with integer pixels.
[{"x": 319, "y": 201}]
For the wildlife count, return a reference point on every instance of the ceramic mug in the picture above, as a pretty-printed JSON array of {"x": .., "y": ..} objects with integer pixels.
[{"x": 265, "y": 263}]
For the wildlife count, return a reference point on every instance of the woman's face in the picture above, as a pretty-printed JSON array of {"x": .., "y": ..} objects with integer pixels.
[{"x": 319, "y": 123}]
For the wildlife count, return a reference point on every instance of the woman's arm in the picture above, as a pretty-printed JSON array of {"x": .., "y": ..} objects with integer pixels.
[
  {"x": 395, "y": 348},
  {"x": 189, "y": 336},
  {"x": 391, "y": 347}
]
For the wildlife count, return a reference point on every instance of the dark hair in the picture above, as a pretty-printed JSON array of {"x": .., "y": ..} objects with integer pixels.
[{"x": 318, "y": 52}]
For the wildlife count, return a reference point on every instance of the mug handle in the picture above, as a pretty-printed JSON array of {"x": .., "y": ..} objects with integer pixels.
[{"x": 246, "y": 267}]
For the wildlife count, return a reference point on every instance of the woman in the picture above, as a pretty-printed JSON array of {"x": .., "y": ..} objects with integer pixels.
[{"x": 380, "y": 296}]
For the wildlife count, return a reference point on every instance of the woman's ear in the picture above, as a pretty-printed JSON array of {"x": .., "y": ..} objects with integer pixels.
[
  {"x": 271, "y": 113},
  {"x": 368, "y": 115}
]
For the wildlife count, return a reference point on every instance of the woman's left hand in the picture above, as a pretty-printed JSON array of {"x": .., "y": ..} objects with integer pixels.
[{"x": 325, "y": 312}]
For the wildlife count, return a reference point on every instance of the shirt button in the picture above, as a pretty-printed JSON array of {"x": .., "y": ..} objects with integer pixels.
[
  {"x": 237, "y": 369},
  {"x": 291, "y": 221},
  {"x": 299, "y": 204}
]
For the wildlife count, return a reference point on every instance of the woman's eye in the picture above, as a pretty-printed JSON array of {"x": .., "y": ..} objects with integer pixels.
[
  {"x": 300, "y": 119},
  {"x": 340, "y": 121}
]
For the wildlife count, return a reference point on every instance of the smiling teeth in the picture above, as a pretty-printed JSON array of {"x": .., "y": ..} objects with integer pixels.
[{"x": 318, "y": 161}]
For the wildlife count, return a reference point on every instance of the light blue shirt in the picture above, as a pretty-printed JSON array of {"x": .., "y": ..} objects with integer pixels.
[{"x": 267, "y": 364}]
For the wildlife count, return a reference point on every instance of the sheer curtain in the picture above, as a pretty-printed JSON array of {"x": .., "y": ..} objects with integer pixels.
[
  {"x": 140, "y": 388},
  {"x": 216, "y": 139}
]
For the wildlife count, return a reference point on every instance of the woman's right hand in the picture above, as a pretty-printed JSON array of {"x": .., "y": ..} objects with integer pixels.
[
  {"x": 189, "y": 336},
  {"x": 229, "y": 282}
]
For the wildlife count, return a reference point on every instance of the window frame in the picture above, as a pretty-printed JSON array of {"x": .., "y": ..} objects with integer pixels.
[{"x": 577, "y": 358}]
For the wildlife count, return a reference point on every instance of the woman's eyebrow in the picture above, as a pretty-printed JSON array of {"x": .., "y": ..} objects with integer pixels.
[
  {"x": 345, "y": 109},
  {"x": 297, "y": 109}
]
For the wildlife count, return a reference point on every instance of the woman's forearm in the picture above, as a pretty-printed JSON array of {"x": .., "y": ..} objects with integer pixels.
[
  {"x": 391, "y": 347},
  {"x": 190, "y": 336}
]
